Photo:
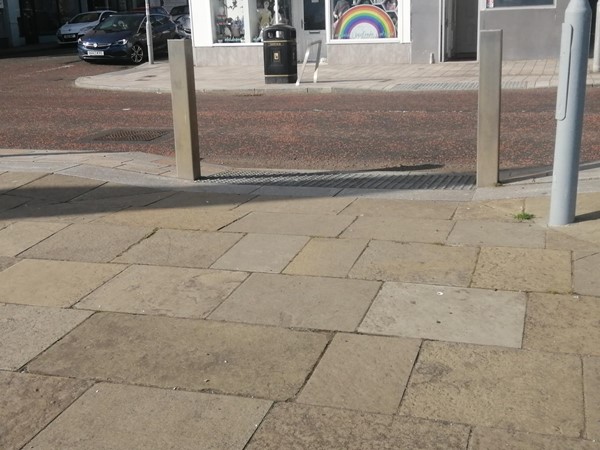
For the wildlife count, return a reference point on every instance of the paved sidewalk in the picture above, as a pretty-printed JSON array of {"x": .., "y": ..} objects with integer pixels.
[
  {"x": 336, "y": 78},
  {"x": 141, "y": 311}
]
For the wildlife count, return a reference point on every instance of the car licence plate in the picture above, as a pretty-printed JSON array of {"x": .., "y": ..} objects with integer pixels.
[
  {"x": 95, "y": 53},
  {"x": 69, "y": 36}
]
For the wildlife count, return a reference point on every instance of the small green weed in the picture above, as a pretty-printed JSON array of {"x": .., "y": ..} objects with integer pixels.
[{"x": 522, "y": 216}]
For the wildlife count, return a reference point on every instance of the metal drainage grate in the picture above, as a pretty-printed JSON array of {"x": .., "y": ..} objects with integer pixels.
[
  {"x": 454, "y": 86},
  {"x": 130, "y": 135},
  {"x": 346, "y": 180}
]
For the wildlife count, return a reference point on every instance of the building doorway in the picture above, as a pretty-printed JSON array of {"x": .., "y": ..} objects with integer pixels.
[
  {"x": 309, "y": 21},
  {"x": 460, "y": 23}
]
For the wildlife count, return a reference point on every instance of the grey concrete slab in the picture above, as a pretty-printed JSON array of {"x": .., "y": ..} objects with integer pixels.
[
  {"x": 297, "y": 191},
  {"x": 13, "y": 180},
  {"x": 497, "y": 234},
  {"x": 56, "y": 188},
  {"x": 585, "y": 274},
  {"x": 180, "y": 248},
  {"x": 115, "y": 416},
  {"x": 169, "y": 291},
  {"x": 294, "y": 426},
  {"x": 430, "y": 231},
  {"x": 262, "y": 253},
  {"x": 74, "y": 212},
  {"x": 557, "y": 240},
  {"x": 365, "y": 373},
  {"x": 300, "y": 205},
  {"x": 591, "y": 384},
  {"x": 496, "y": 210},
  {"x": 10, "y": 201},
  {"x": 562, "y": 323},
  {"x": 29, "y": 402},
  {"x": 324, "y": 225},
  {"x": 26, "y": 331},
  {"x": 297, "y": 301},
  {"x": 202, "y": 201},
  {"x": 6, "y": 262},
  {"x": 522, "y": 269},
  {"x": 19, "y": 236},
  {"x": 139, "y": 196},
  {"x": 327, "y": 257},
  {"x": 88, "y": 242},
  {"x": 175, "y": 218},
  {"x": 499, "y": 388},
  {"x": 195, "y": 355},
  {"x": 492, "y": 439},
  {"x": 53, "y": 283},
  {"x": 475, "y": 316},
  {"x": 416, "y": 263},
  {"x": 422, "y": 195},
  {"x": 414, "y": 209}
]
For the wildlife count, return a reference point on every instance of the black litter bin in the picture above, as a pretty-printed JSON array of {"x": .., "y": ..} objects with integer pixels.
[{"x": 279, "y": 46}]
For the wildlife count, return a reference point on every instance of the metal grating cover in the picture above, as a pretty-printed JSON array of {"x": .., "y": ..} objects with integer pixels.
[
  {"x": 131, "y": 135},
  {"x": 346, "y": 180}
]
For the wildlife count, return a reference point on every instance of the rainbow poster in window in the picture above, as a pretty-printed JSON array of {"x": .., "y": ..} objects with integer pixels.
[{"x": 365, "y": 22}]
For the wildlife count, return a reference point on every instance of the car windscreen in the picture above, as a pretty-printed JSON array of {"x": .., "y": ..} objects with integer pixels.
[
  {"x": 85, "y": 17},
  {"x": 121, "y": 23}
]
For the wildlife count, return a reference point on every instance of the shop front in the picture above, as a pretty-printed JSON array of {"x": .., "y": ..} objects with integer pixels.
[{"x": 362, "y": 32}]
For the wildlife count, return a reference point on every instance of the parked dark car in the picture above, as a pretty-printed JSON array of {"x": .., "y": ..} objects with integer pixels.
[
  {"x": 177, "y": 11},
  {"x": 184, "y": 26},
  {"x": 153, "y": 10},
  {"x": 123, "y": 37}
]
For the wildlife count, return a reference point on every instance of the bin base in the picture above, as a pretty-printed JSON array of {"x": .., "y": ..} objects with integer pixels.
[{"x": 281, "y": 79}]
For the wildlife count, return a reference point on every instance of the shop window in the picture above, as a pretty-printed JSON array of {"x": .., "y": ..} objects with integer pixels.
[
  {"x": 517, "y": 3},
  {"x": 364, "y": 19}
]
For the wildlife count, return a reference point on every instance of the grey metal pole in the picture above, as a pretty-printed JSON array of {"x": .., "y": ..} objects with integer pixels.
[
  {"x": 570, "y": 103},
  {"x": 149, "y": 34},
  {"x": 185, "y": 116},
  {"x": 596, "y": 60},
  {"x": 488, "y": 120}
]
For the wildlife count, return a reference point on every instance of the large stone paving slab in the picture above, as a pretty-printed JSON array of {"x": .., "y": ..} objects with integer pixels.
[
  {"x": 9, "y": 201},
  {"x": 301, "y": 427},
  {"x": 6, "y": 262},
  {"x": 110, "y": 190},
  {"x": 591, "y": 383},
  {"x": 563, "y": 323},
  {"x": 25, "y": 331},
  {"x": 399, "y": 229},
  {"x": 29, "y": 402},
  {"x": 72, "y": 212},
  {"x": 327, "y": 257},
  {"x": 408, "y": 209},
  {"x": 262, "y": 253},
  {"x": 497, "y": 210},
  {"x": 497, "y": 234},
  {"x": 324, "y": 225},
  {"x": 180, "y": 248},
  {"x": 202, "y": 201},
  {"x": 172, "y": 353},
  {"x": 56, "y": 188},
  {"x": 499, "y": 388},
  {"x": 13, "y": 180},
  {"x": 175, "y": 218},
  {"x": 445, "y": 313},
  {"x": 366, "y": 373},
  {"x": 298, "y": 301},
  {"x": 19, "y": 236},
  {"x": 114, "y": 416},
  {"x": 585, "y": 275},
  {"x": 315, "y": 205},
  {"x": 53, "y": 283},
  {"x": 521, "y": 269},
  {"x": 87, "y": 242},
  {"x": 416, "y": 263},
  {"x": 168, "y": 291},
  {"x": 493, "y": 439}
]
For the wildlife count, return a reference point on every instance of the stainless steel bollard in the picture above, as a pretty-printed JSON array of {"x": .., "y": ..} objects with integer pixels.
[
  {"x": 570, "y": 103},
  {"x": 185, "y": 116}
]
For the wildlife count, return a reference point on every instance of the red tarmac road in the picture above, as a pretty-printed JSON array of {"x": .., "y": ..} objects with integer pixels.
[{"x": 42, "y": 109}]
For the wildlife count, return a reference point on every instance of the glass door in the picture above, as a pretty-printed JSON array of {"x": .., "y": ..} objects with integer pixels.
[{"x": 310, "y": 27}]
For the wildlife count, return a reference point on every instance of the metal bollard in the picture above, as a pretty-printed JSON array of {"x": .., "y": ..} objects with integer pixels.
[
  {"x": 488, "y": 121},
  {"x": 185, "y": 116},
  {"x": 570, "y": 103}
]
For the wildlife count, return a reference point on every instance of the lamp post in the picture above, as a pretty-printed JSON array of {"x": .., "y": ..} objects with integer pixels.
[{"x": 149, "y": 34}]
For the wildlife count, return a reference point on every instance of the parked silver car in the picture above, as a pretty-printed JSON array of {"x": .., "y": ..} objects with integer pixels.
[
  {"x": 80, "y": 24},
  {"x": 184, "y": 26}
]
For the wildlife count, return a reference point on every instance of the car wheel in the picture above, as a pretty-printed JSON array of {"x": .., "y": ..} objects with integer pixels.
[{"x": 137, "y": 54}]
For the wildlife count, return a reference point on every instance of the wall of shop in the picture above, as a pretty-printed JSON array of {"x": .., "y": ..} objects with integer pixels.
[{"x": 528, "y": 33}]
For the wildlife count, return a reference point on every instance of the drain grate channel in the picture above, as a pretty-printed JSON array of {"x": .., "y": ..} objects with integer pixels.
[
  {"x": 130, "y": 135},
  {"x": 346, "y": 180}
]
